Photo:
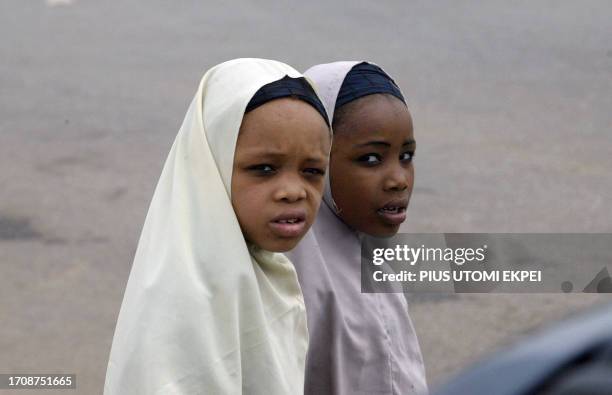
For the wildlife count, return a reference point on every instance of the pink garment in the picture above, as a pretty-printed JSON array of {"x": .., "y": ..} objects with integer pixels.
[{"x": 359, "y": 343}]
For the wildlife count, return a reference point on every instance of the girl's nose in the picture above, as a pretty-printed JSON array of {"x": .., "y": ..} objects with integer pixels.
[
  {"x": 397, "y": 179},
  {"x": 290, "y": 191}
]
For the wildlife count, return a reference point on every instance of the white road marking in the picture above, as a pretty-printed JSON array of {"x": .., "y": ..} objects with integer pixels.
[{"x": 55, "y": 3}]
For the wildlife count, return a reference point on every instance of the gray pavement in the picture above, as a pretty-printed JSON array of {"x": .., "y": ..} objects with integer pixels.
[{"x": 511, "y": 104}]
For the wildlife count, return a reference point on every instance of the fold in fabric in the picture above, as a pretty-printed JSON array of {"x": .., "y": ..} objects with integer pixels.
[
  {"x": 203, "y": 312},
  {"x": 359, "y": 343}
]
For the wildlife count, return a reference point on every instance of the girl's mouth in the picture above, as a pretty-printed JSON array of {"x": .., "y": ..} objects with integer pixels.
[
  {"x": 289, "y": 224},
  {"x": 394, "y": 213}
]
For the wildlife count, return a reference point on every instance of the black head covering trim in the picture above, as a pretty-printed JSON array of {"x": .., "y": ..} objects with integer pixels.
[
  {"x": 366, "y": 79},
  {"x": 288, "y": 87}
]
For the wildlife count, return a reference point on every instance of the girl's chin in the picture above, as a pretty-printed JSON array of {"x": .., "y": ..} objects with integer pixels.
[
  {"x": 282, "y": 245},
  {"x": 381, "y": 230},
  {"x": 374, "y": 226}
]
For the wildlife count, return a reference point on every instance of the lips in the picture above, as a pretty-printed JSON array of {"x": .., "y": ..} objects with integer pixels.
[
  {"x": 394, "y": 212},
  {"x": 289, "y": 224}
]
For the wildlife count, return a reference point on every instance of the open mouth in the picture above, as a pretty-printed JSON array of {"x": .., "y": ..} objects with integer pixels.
[
  {"x": 392, "y": 210},
  {"x": 289, "y": 224},
  {"x": 394, "y": 213},
  {"x": 288, "y": 221}
]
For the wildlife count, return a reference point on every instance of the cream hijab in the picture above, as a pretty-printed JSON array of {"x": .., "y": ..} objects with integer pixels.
[
  {"x": 359, "y": 343},
  {"x": 203, "y": 313}
]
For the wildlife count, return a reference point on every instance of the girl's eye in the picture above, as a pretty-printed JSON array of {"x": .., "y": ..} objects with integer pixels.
[
  {"x": 312, "y": 171},
  {"x": 262, "y": 169},
  {"x": 370, "y": 159},
  {"x": 406, "y": 156}
]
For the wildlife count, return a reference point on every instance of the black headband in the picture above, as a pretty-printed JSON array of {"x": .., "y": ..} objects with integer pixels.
[
  {"x": 287, "y": 87},
  {"x": 366, "y": 79}
]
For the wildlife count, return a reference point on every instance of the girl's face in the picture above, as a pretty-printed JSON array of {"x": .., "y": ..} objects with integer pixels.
[
  {"x": 371, "y": 171},
  {"x": 278, "y": 174}
]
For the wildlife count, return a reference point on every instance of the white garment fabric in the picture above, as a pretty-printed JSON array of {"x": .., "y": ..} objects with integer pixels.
[
  {"x": 203, "y": 312},
  {"x": 360, "y": 343}
]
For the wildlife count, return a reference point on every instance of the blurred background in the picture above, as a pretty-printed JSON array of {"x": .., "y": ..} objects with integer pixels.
[{"x": 512, "y": 111}]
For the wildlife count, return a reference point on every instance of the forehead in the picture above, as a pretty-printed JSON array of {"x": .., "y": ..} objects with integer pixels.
[
  {"x": 374, "y": 116},
  {"x": 286, "y": 123}
]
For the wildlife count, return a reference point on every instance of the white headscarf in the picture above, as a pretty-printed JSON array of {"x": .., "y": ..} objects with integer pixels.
[
  {"x": 360, "y": 343},
  {"x": 203, "y": 313}
]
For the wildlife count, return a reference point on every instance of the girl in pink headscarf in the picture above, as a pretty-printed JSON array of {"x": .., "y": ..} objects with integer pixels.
[{"x": 359, "y": 343}]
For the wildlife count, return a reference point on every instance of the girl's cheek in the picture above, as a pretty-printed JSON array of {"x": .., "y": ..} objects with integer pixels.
[{"x": 320, "y": 186}]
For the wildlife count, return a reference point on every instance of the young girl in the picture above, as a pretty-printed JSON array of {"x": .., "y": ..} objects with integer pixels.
[
  {"x": 210, "y": 308},
  {"x": 359, "y": 343}
]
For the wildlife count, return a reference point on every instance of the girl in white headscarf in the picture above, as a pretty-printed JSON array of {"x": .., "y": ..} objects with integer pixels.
[
  {"x": 210, "y": 307},
  {"x": 360, "y": 343}
]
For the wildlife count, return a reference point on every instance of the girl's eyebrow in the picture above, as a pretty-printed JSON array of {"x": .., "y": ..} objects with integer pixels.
[
  {"x": 272, "y": 155},
  {"x": 384, "y": 143},
  {"x": 375, "y": 143},
  {"x": 315, "y": 160},
  {"x": 263, "y": 153}
]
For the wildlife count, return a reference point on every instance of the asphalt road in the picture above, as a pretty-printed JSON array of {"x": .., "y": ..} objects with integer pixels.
[{"x": 511, "y": 104}]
